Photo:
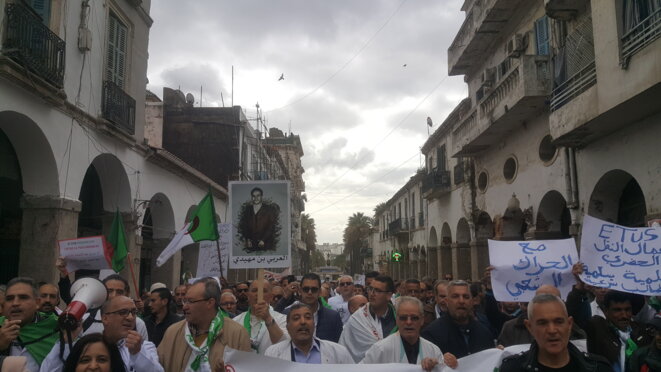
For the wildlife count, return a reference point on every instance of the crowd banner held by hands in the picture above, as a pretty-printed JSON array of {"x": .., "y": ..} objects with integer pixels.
[
  {"x": 520, "y": 267},
  {"x": 85, "y": 253},
  {"x": 623, "y": 258},
  {"x": 207, "y": 260},
  {"x": 487, "y": 360}
]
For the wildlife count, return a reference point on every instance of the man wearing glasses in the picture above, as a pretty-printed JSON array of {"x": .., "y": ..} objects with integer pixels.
[
  {"x": 198, "y": 343},
  {"x": 413, "y": 288},
  {"x": 406, "y": 345},
  {"x": 372, "y": 322},
  {"x": 242, "y": 297},
  {"x": 340, "y": 302},
  {"x": 118, "y": 315},
  {"x": 328, "y": 322}
]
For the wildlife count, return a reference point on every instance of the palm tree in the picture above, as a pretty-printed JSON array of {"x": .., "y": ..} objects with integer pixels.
[
  {"x": 309, "y": 237},
  {"x": 355, "y": 238}
]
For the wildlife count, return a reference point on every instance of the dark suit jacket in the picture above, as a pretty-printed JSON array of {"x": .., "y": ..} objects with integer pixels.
[
  {"x": 329, "y": 323},
  {"x": 445, "y": 333}
]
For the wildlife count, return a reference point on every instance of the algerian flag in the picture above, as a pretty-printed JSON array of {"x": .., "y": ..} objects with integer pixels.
[
  {"x": 117, "y": 247},
  {"x": 203, "y": 226}
]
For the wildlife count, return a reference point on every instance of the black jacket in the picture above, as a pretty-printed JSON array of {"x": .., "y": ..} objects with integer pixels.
[
  {"x": 329, "y": 323},
  {"x": 446, "y": 334},
  {"x": 156, "y": 331},
  {"x": 527, "y": 361}
]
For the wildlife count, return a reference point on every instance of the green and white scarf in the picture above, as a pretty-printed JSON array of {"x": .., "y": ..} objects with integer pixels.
[{"x": 203, "y": 352}]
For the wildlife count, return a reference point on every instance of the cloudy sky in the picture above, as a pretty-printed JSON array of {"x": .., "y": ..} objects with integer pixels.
[{"x": 361, "y": 77}]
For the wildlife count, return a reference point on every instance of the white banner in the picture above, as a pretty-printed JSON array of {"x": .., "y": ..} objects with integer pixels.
[
  {"x": 522, "y": 267},
  {"x": 624, "y": 258},
  {"x": 84, "y": 253},
  {"x": 207, "y": 260},
  {"x": 487, "y": 360}
]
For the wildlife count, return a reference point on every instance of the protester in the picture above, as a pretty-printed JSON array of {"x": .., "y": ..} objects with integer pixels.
[
  {"x": 93, "y": 353},
  {"x": 290, "y": 294},
  {"x": 325, "y": 292},
  {"x": 406, "y": 345},
  {"x": 369, "y": 277},
  {"x": 648, "y": 358},
  {"x": 179, "y": 295},
  {"x": 242, "y": 296},
  {"x": 198, "y": 342},
  {"x": 118, "y": 315},
  {"x": 551, "y": 350},
  {"x": 49, "y": 298},
  {"x": 228, "y": 303},
  {"x": 458, "y": 332},
  {"x": 3, "y": 290},
  {"x": 441, "y": 293},
  {"x": 585, "y": 301},
  {"x": 328, "y": 322},
  {"x": 373, "y": 322},
  {"x": 358, "y": 289},
  {"x": 304, "y": 347},
  {"x": 515, "y": 331},
  {"x": 277, "y": 293},
  {"x": 340, "y": 302},
  {"x": 412, "y": 288},
  {"x": 265, "y": 326},
  {"x": 427, "y": 284},
  {"x": 356, "y": 302},
  {"x": 21, "y": 320},
  {"x": 162, "y": 315}
]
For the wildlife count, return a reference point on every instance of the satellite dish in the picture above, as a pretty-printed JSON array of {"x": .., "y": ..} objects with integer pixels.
[{"x": 190, "y": 99}]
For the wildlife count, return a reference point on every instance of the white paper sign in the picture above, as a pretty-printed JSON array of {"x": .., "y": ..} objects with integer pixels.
[
  {"x": 520, "y": 267},
  {"x": 360, "y": 279},
  {"x": 623, "y": 258},
  {"x": 207, "y": 260},
  {"x": 84, "y": 253}
]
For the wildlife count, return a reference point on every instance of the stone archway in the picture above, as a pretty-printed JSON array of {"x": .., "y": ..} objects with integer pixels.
[
  {"x": 158, "y": 228},
  {"x": 513, "y": 221},
  {"x": 484, "y": 230},
  {"x": 462, "y": 257},
  {"x": 617, "y": 197},
  {"x": 445, "y": 263},
  {"x": 433, "y": 253},
  {"x": 423, "y": 263},
  {"x": 553, "y": 217}
]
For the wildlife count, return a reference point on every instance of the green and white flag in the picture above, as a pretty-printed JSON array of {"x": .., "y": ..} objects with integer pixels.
[{"x": 203, "y": 226}]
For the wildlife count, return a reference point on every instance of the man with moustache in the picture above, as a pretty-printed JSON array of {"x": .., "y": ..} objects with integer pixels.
[
  {"x": 179, "y": 294},
  {"x": 49, "y": 298},
  {"x": 441, "y": 293},
  {"x": 303, "y": 347},
  {"x": 118, "y": 315},
  {"x": 458, "y": 332},
  {"x": 24, "y": 331},
  {"x": 406, "y": 345},
  {"x": 241, "y": 293},
  {"x": 162, "y": 316}
]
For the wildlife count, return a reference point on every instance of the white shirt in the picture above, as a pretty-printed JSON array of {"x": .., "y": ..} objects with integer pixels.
[
  {"x": 331, "y": 353},
  {"x": 146, "y": 360},
  {"x": 338, "y": 304},
  {"x": 259, "y": 334},
  {"x": 391, "y": 350},
  {"x": 16, "y": 350},
  {"x": 97, "y": 326}
]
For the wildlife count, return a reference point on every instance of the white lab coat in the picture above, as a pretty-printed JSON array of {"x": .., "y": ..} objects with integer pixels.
[
  {"x": 361, "y": 332},
  {"x": 259, "y": 335},
  {"x": 331, "y": 353},
  {"x": 391, "y": 350}
]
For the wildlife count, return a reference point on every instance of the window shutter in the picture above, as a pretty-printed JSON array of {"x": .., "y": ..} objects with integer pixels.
[
  {"x": 42, "y": 7},
  {"x": 441, "y": 158},
  {"x": 542, "y": 36},
  {"x": 116, "y": 55}
]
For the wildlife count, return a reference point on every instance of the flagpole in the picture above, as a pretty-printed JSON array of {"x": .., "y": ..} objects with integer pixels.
[
  {"x": 220, "y": 260},
  {"x": 135, "y": 283}
]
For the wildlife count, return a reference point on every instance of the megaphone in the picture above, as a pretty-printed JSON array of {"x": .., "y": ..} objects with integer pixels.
[{"x": 87, "y": 293}]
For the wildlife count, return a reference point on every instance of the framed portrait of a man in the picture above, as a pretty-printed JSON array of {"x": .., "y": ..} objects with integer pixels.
[{"x": 261, "y": 224}]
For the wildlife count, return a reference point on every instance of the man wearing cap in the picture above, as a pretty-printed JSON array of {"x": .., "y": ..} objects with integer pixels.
[{"x": 648, "y": 358}]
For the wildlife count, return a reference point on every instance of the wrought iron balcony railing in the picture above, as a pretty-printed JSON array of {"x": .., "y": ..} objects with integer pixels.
[
  {"x": 30, "y": 43},
  {"x": 459, "y": 172},
  {"x": 574, "y": 86},
  {"x": 436, "y": 180},
  {"x": 118, "y": 107},
  {"x": 644, "y": 33}
]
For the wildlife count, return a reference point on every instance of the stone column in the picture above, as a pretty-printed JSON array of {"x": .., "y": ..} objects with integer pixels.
[
  {"x": 46, "y": 219},
  {"x": 439, "y": 263},
  {"x": 455, "y": 260},
  {"x": 474, "y": 261}
]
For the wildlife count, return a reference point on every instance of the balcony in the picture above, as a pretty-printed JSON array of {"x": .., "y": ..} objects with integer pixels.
[
  {"x": 460, "y": 172},
  {"x": 118, "y": 107},
  {"x": 421, "y": 219},
  {"x": 641, "y": 35},
  {"x": 520, "y": 93},
  {"x": 436, "y": 183},
  {"x": 32, "y": 45},
  {"x": 480, "y": 29},
  {"x": 398, "y": 226},
  {"x": 412, "y": 223}
]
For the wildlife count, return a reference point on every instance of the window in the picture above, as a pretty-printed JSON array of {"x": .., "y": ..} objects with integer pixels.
[
  {"x": 482, "y": 181},
  {"x": 547, "y": 150},
  {"x": 116, "y": 53},
  {"x": 542, "y": 36},
  {"x": 441, "y": 158},
  {"x": 42, "y": 8},
  {"x": 510, "y": 169}
]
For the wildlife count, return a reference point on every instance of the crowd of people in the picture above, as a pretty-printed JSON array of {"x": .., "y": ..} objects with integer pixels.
[{"x": 310, "y": 320}]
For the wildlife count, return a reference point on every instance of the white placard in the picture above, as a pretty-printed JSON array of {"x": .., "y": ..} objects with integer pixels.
[
  {"x": 360, "y": 279},
  {"x": 520, "y": 267},
  {"x": 623, "y": 258},
  {"x": 84, "y": 253},
  {"x": 207, "y": 260}
]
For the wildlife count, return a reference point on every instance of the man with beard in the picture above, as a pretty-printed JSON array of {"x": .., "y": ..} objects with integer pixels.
[
  {"x": 406, "y": 345},
  {"x": 458, "y": 332},
  {"x": 303, "y": 347},
  {"x": 118, "y": 315},
  {"x": 23, "y": 330},
  {"x": 242, "y": 297},
  {"x": 49, "y": 298},
  {"x": 373, "y": 322},
  {"x": 179, "y": 294},
  {"x": 648, "y": 358}
]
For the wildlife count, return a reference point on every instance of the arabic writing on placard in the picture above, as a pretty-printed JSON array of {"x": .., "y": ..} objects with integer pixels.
[
  {"x": 207, "y": 260},
  {"x": 521, "y": 267},
  {"x": 622, "y": 258},
  {"x": 269, "y": 260}
]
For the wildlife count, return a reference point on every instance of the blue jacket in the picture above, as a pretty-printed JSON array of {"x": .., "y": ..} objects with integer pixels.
[{"x": 329, "y": 323}]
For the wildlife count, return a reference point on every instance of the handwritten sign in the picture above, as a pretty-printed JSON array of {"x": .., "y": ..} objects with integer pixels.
[
  {"x": 84, "y": 253},
  {"x": 623, "y": 258},
  {"x": 207, "y": 260},
  {"x": 522, "y": 267}
]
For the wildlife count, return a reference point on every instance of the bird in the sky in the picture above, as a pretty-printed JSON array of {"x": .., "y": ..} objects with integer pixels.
[
  {"x": 404, "y": 65},
  {"x": 282, "y": 77},
  {"x": 429, "y": 122}
]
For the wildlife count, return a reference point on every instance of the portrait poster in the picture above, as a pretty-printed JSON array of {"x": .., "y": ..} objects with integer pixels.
[{"x": 261, "y": 224}]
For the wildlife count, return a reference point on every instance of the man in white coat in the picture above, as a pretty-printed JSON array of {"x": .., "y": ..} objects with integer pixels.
[
  {"x": 406, "y": 345},
  {"x": 303, "y": 346},
  {"x": 265, "y": 326}
]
